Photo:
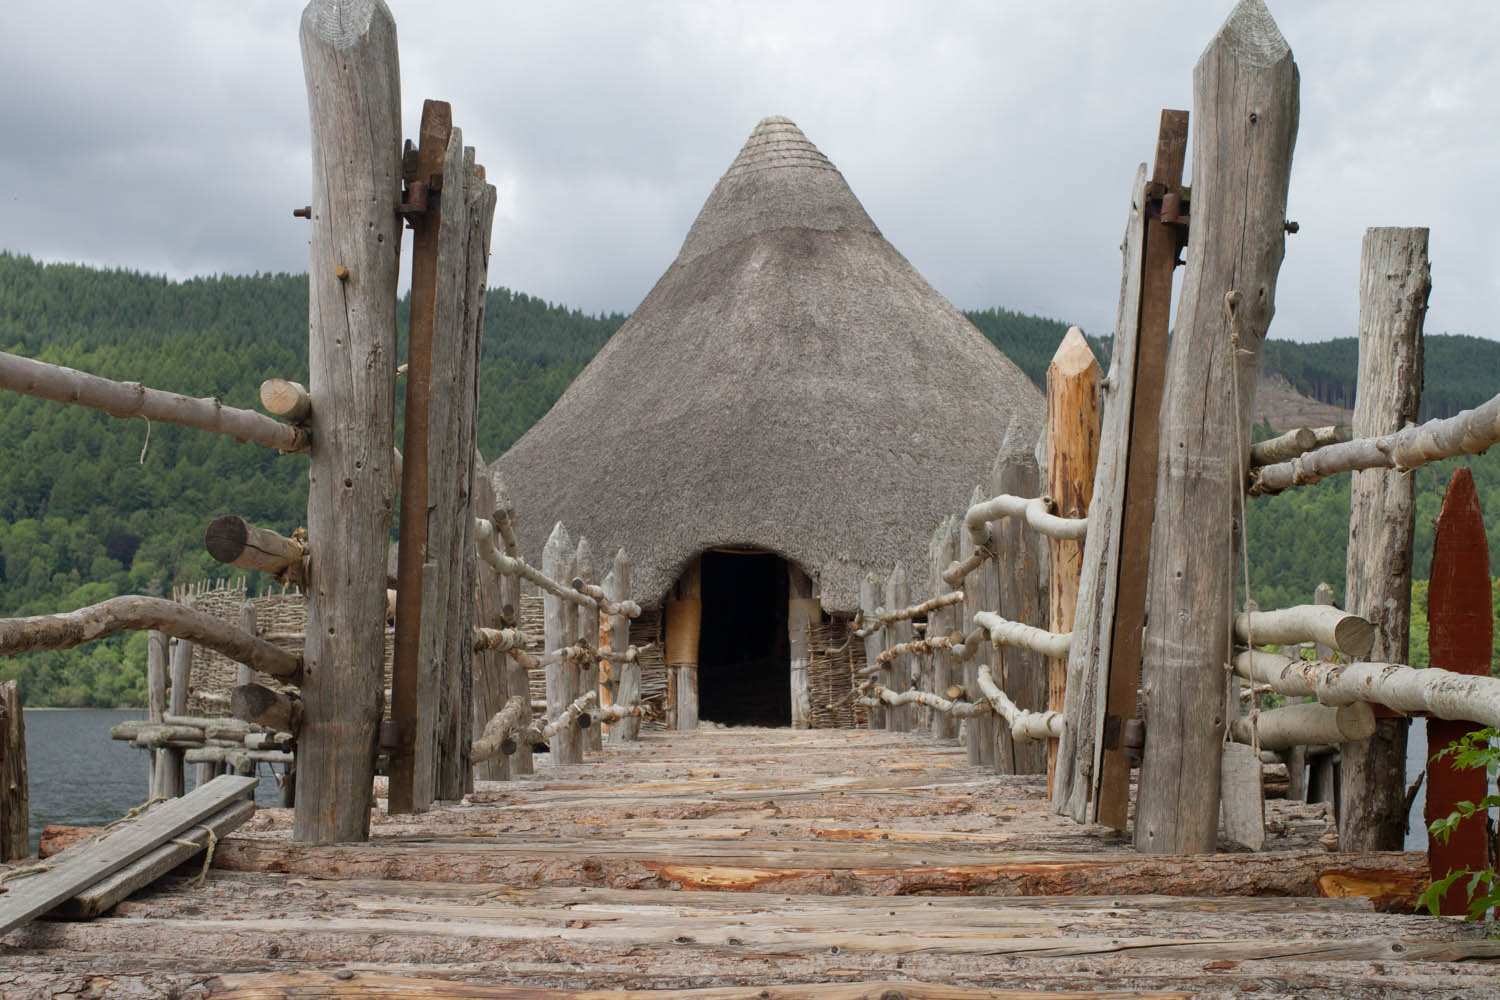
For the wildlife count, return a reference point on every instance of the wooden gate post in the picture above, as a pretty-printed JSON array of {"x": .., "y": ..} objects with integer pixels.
[
  {"x": 803, "y": 611},
  {"x": 15, "y": 806},
  {"x": 489, "y": 683},
  {"x": 1015, "y": 583},
  {"x": 1245, "y": 106},
  {"x": 181, "y": 669},
  {"x": 1393, "y": 286},
  {"x": 354, "y": 100},
  {"x": 560, "y": 631},
  {"x": 869, "y": 601},
  {"x": 517, "y": 678},
  {"x": 592, "y": 738},
  {"x": 156, "y": 707},
  {"x": 1462, "y": 623},
  {"x": 628, "y": 690},
  {"x": 941, "y": 552},
  {"x": 979, "y": 739},
  {"x": 899, "y": 718}
]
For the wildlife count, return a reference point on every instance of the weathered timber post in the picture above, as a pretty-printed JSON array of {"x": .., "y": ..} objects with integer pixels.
[
  {"x": 1074, "y": 401},
  {"x": 15, "y": 806},
  {"x": 588, "y": 630},
  {"x": 1462, "y": 621},
  {"x": 1245, "y": 105},
  {"x": 869, "y": 600},
  {"x": 179, "y": 667},
  {"x": 941, "y": 552},
  {"x": 490, "y": 692},
  {"x": 628, "y": 673},
  {"x": 416, "y": 673},
  {"x": 1393, "y": 286},
  {"x": 1014, "y": 583},
  {"x": 684, "y": 624},
  {"x": 557, "y": 561},
  {"x": 976, "y": 731},
  {"x": 156, "y": 705},
  {"x": 804, "y": 610},
  {"x": 354, "y": 101},
  {"x": 901, "y": 718},
  {"x": 517, "y": 679},
  {"x": 242, "y": 671}
]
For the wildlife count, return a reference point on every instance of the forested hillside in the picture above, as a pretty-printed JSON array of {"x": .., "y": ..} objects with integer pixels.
[{"x": 91, "y": 507}]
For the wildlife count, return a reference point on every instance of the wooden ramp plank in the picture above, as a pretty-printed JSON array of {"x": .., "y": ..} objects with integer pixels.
[{"x": 75, "y": 870}]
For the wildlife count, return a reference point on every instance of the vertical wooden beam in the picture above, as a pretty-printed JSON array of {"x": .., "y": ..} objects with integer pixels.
[
  {"x": 1393, "y": 285},
  {"x": 900, "y": 719},
  {"x": 1016, "y": 585},
  {"x": 180, "y": 668},
  {"x": 684, "y": 624},
  {"x": 489, "y": 682},
  {"x": 156, "y": 705},
  {"x": 978, "y": 739},
  {"x": 869, "y": 601},
  {"x": 628, "y": 690},
  {"x": 1462, "y": 622},
  {"x": 1245, "y": 106},
  {"x": 803, "y": 611},
  {"x": 941, "y": 552},
  {"x": 354, "y": 102},
  {"x": 588, "y": 629},
  {"x": 517, "y": 679},
  {"x": 242, "y": 671},
  {"x": 558, "y": 625},
  {"x": 15, "y": 805},
  {"x": 1074, "y": 401}
]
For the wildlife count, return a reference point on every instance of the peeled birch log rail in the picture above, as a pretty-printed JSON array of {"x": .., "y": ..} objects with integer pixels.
[
  {"x": 1468, "y": 433},
  {"x": 1321, "y": 623},
  {"x": 1308, "y": 724},
  {"x": 1283, "y": 448},
  {"x": 237, "y": 759},
  {"x": 270, "y": 708},
  {"x": 499, "y": 640},
  {"x": 1037, "y": 512},
  {"x": 1438, "y": 692},
  {"x": 131, "y": 399},
  {"x": 884, "y": 618},
  {"x": 1024, "y": 724},
  {"x": 121, "y": 614},
  {"x": 616, "y": 712},
  {"x": 957, "y": 709},
  {"x": 500, "y": 733},
  {"x": 919, "y": 646},
  {"x": 286, "y": 399},
  {"x": 629, "y": 609},
  {"x": 543, "y": 730},
  {"x": 1004, "y": 632},
  {"x": 236, "y": 542},
  {"x": 631, "y": 654},
  {"x": 484, "y": 540}
]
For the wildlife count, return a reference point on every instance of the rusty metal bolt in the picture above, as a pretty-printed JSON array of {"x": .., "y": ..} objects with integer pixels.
[
  {"x": 305, "y": 212},
  {"x": 341, "y": 272},
  {"x": 1292, "y": 227}
]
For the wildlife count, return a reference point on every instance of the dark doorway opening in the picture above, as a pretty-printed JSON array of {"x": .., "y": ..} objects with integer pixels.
[{"x": 744, "y": 658}]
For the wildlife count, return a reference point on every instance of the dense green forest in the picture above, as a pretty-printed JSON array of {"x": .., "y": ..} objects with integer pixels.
[{"x": 92, "y": 507}]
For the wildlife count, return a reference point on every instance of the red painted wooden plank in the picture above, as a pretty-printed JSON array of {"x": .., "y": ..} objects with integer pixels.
[{"x": 1459, "y": 613}]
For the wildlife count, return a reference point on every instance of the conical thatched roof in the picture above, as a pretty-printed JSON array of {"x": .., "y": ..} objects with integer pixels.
[{"x": 791, "y": 384}]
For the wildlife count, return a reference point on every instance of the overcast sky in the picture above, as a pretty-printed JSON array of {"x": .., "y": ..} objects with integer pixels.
[{"x": 992, "y": 142}]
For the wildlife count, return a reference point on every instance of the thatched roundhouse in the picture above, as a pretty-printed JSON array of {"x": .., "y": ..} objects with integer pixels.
[{"x": 792, "y": 400}]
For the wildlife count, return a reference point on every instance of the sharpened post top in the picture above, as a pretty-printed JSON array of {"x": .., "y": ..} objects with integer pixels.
[
  {"x": 342, "y": 23},
  {"x": 1074, "y": 356},
  {"x": 1251, "y": 34}
]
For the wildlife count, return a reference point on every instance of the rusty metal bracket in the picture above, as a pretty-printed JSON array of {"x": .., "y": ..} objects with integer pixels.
[{"x": 1134, "y": 735}]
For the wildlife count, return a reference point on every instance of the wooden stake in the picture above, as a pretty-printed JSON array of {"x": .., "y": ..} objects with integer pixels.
[
  {"x": 941, "y": 621},
  {"x": 900, "y": 719},
  {"x": 684, "y": 624},
  {"x": 803, "y": 611},
  {"x": 156, "y": 701},
  {"x": 15, "y": 805},
  {"x": 978, "y": 741},
  {"x": 557, "y": 562},
  {"x": 628, "y": 691},
  {"x": 491, "y": 693},
  {"x": 1245, "y": 105},
  {"x": 287, "y": 400},
  {"x": 354, "y": 98},
  {"x": 1017, "y": 587},
  {"x": 588, "y": 630},
  {"x": 869, "y": 602},
  {"x": 237, "y": 542},
  {"x": 1393, "y": 287},
  {"x": 181, "y": 667}
]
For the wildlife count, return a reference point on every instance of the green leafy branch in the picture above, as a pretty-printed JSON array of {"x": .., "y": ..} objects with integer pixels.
[{"x": 1475, "y": 749}]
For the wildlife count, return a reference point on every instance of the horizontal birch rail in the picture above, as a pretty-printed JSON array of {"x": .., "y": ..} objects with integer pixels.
[
  {"x": 507, "y": 529},
  {"x": 235, "y": 758},
  {"x": 1298, "y": 441},
  {"x": 916, "y": 646},
  {"x": 631, "y": 654},
  {"x": 616, "y": 712},
  {"x": 1004, "y": 632},
  {"x": 498, "y": 640},
  {"x": 1036, "y": 511},
  {"x": 1024, "y": 724},
  {"x": 957, "y": 709},
  {"x": 964, "y": 651},
  {"x": 145, "y": 735},
  {"x": 629, "y": 609},
  {"x": 484, "y": 541},
  {"x": 286, "y": 399},
  {"x": 1467, "y": 433},
  {"x": 500, "y": 733},
  {"x": 542, "y": 730},
  {"x": 884, "y": 618},
  {"x": 1307, "y": 724},
  {"x": 131, "y": 399},
  {"x": 122, "y": 614},
  {"x": 1322, "y": 623},
  {"x": 1438, "y": 692}
]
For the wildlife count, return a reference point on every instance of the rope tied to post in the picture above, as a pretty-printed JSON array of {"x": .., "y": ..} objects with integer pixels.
[{"x": 208, "y": 853}]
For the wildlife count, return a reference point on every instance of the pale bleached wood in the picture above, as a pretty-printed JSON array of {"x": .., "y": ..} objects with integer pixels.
[
  {"x": 243, "y": 673},
  {"x": 354, "y": 99},
  {"x": 946, "y": 707},
  {"x": 268, "y": 707},
  {"x": 131, "y": 399},
  {"x": 1245, "y": 106},
  {"x": 15, "y": 788},
  {"x": 975, "y": 591},
  {"x": 1074, "y": 402},
  {"x": 1017, "y": 587},
  {"x": 236, "y": 542},
  {"x": 80, "y": 867},
  {"x": 1304, "y": 725},
  {"x": 491, "y": 692},
  {"x": 557, "y": 559},
  {"x": 156, "y": 701},
  {"x": 1243, "y": 798},
  {"x": 588, "y": 633},
  {"x": 572, "y": 719},
  {"x": 120, "y": 614},
  {"x": 1023, "y": 725},
  {"x": 628, "y": 692},
  {"x": 1284, "y": 447},
  {"x": 869, "y": 602},
  {"x": 499, "y": 640},
  {"x": 606, "y": 605},
  {"x": 878, "y": 621},
  {"x": 803, "y": 612},
  {"x": 286, "y": 399},
  {"x": 1442, "y": 693},
  {"x": 1324, "y": 624},
  {"x": 1004, "y": 632},
  {"x": 1393, "y": 289},
  {"x": 517, "y": 681},
  {"x": 898, "y": 595},
  {"x": 486, "y": 535},
  {"x": 499, "y": 736}
]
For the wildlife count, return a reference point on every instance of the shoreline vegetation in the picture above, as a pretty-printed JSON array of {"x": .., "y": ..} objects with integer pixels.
[{"x": 92, "y": 507}]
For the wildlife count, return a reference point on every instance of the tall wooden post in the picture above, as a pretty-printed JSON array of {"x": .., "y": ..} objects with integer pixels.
[
  {"x": 558, "y": 624},
  {"x": 180, "y": 667},
  {"x": 1074, "y": 402},
  {"x": 684, "y": 624},
  {"x": 977, "y": 737},
  {"x": 156, "y": 707},
  {"x": 1016, "y": 584},
  {"x": 869, "y": 600},
  {"x": 803, "y": 611},
  {"x": 628, "y": 688},
  {"x": 15, "y": 805},
  {"x": 517, "y": 679},
  {"x": 588, "y": 628},
  {"x": 1462, "y": 621},
  {"x": 901, "y": 718},
  {"x": 1393, "y": 286},
  {"x": 354, "y": 103},
  {"x": 941, "y": 552},
  {"x": 1245, "y": 106},
  {"x": 489, "y": 681}
]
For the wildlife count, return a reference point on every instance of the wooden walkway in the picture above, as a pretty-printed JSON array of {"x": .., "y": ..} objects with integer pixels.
[{"x": 748, "y": 863}]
